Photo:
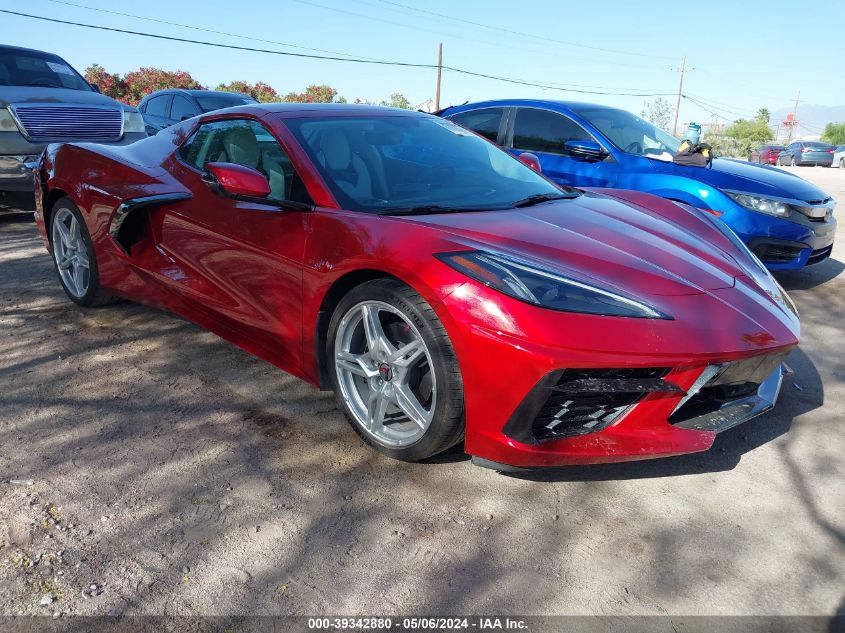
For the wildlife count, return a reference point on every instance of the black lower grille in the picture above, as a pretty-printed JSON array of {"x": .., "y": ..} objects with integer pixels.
[
  {"x": 820, "y": 255},
  {"x": 776, "y": 253},
  {"x": 588, "y": 400},
  {"x": 728, "y": 383}
]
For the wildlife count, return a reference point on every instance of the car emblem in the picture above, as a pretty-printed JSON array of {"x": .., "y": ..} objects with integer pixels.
[{"x": 385, "y": 372}]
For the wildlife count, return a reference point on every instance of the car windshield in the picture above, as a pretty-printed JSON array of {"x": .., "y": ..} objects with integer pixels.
[
  {"x": 30, "y": 68},
  {"x": 816, "y": 144},
  {"x": 218, "y": 102},
  {"x": 383, "y": 164},
  {"x": 628, "y": 132}
]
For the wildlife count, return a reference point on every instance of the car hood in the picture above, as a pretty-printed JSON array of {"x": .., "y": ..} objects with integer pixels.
[
  {"x": 738, "y": 175},
  {"x": 10, "y": 95},
  {"x": 658, "y": 248}
]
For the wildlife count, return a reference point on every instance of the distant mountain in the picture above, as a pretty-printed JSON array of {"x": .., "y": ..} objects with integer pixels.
[{"x": 811, "y": 119}]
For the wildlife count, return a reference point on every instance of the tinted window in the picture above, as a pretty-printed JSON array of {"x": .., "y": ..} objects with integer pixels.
[
  {"x": 182, "y": 108},
  {"x": 38, "y": 69},
  {"x": 158, "y": 106},
  {"x": 217, "y": 102},
  {"x": 816, "y": 145},
  {"x": 544, "y": 131},
  {"x": 383, "y": 163},
  {"x": 486, "y": 122},
  {"x": 249, "y": 144}
]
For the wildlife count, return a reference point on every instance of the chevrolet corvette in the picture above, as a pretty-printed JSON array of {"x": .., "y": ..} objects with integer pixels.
[{"x": 443, "y": 289}]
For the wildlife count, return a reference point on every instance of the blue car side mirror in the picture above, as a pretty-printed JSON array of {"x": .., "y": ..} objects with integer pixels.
[{"x": 585, "y": 150}]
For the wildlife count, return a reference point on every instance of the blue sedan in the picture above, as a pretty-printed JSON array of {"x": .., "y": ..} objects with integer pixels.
[{"x": 786, "y": 221}]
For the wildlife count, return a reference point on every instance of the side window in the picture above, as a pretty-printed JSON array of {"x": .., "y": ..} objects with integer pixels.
[
  {"x": 158, "y": 106},
  {"x": 544, "y": 131},
  {"x": 182, "y": 109},
  {"x": 249, "y": 144},
  {"x": 485, "y": 122}
]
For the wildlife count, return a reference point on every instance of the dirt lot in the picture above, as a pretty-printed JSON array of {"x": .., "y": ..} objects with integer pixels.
[{"x": 174, "y": 474}]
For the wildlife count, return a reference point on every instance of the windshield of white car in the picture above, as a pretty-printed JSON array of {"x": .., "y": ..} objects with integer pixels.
[
  {"x": 628, "y": 132},
  {"x": 405, "y": 164},
  {"x": 39, "y": 70}
]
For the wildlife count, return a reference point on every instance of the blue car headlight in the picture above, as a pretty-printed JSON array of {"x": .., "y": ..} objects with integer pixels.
[
  {"x": 755, "y": 268},
  {"x": 769, "y": 206},
  {"x": 522, "y": 280}
]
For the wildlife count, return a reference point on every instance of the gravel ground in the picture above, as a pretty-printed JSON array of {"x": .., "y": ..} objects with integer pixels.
[{"x": 174, "y": 474}]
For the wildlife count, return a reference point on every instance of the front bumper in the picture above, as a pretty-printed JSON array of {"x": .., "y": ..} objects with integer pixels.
[
  {"x": 18, "y": 157},
  {"x": 16, "y": 172},
  {"x": 784, "y": 244},
  {"x": 507, "y": 382}
]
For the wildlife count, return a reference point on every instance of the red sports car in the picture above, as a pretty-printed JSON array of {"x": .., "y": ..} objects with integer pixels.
[{"x": 444, "y": 290}]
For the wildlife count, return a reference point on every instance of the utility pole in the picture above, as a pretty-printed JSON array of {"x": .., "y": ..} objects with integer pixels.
[
  {"x": 680, "y": 90},
  {"x": 439, "y": 72},
  {"x": 794, "y": 119}
]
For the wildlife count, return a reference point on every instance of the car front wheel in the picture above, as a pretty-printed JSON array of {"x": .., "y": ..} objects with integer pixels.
[
  {"x": 74, "y": 257},
  {"x": 394, "y": 371}
]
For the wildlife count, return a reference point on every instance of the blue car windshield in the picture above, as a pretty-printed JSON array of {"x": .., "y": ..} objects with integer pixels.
[
  {"x": 628, "y": 132},
  {"x": 381, "y": 163}
]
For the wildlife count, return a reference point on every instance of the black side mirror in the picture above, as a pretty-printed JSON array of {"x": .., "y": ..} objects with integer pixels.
[
  {"x": 95, "y": 87},
  {"x": 589, "y": 151}
]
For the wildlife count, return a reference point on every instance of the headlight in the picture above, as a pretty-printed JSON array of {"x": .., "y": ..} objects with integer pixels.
[
  {"x": 132, "y": 122},
  {"x": 759, "y": 204},
  {"x": 523, "y": 281},
  {"x": 7, "y": 123}
]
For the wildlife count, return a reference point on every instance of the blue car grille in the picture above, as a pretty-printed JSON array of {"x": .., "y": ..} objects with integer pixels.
[{"x": 69, "y": 122}]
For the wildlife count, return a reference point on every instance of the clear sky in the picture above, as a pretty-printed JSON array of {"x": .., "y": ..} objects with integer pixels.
[{"x": 743, "y": 53}]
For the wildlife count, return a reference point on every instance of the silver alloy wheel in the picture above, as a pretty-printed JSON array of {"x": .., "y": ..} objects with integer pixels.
[
  {"x": 70, "y": 253},
  {"x": 385, "y": 373}
]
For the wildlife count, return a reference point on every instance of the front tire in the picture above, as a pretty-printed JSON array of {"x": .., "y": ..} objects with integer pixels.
[
  {"x": 394, "y": 371},
  {"x": 74, "y": 256}
]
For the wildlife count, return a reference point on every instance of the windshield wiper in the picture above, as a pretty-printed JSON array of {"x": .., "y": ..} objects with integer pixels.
[
  {"x": 427, "y": 210},
  {"x": 542, "y": 197}
]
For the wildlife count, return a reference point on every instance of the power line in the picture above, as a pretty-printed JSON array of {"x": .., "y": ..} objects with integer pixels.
[
  {"x": 706, "y": 109},
  {"x": 464, "y": 37},
  {"x": 203, "y": 29},
  {"x": 533, "y": 36},
  {"x": 357, "y": 60}
]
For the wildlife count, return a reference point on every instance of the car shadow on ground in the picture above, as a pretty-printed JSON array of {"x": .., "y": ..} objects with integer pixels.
[
  {"x": 15, "y": 217},
  {"x": 800, "y": 393},
  {"x": 811, "y": 276}
]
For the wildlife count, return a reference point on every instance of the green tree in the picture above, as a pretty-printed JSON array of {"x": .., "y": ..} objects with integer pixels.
[
  {"x": 141, "y": 82},
  {"x": 834, "y": 133},
  {"x": 110, "y": 84},
  {"x": 763, "y": 114},
  {"x": 658, "y": 112},
  {"x": 397, "y": 100},
  {"x": 260, "y": 91},
  {"x": 749, "y": 133},
  {"x": 313, "y": 94}
]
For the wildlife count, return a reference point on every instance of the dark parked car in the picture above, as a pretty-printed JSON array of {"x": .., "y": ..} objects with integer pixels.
[
  {"x": 766, "y": 154},
  {"x": 806, "y": 153},
  {"x": 43, "y": 100},
  {"x": 163, "y": 108}
]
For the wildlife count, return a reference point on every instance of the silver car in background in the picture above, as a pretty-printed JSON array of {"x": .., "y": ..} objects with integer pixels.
[{"x": 44, "y": 100}]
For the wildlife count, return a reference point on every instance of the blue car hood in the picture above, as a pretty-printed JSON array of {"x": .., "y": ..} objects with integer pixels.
[{"x": 738, "y": 175}]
